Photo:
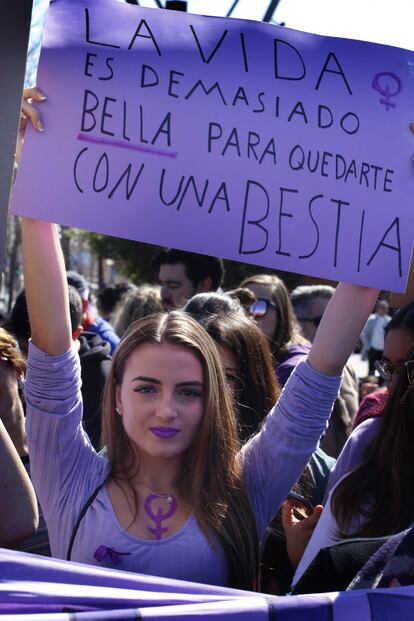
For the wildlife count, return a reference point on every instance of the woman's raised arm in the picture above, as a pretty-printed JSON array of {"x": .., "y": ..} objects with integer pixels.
[
  {"x": 341, "y": 325},
  {"x": 44, "y": 268},
  {"x": 46, "y": 287},
  {"x": 19, "y": 507}
]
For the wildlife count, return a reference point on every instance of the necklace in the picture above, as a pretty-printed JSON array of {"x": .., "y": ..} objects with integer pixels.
[
  {"x": 168, "y": 497},
  {"x": 155, "y": 513}
]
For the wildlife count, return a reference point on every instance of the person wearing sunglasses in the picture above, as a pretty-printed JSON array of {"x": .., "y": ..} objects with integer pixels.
[
  {"x": 309, "y": 303},
  {"x": 274, "y": 315},
  {"x": 387, "y": 370},
  {"x": 277, "y": 315},
  {"x": 399, "y": 337}
]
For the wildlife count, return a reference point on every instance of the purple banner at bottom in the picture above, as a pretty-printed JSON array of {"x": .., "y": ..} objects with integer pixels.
[{"x": 35, "y": 587}]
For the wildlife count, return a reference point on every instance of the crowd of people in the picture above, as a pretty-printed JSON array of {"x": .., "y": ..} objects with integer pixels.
[{"x": 187, "y": 431}]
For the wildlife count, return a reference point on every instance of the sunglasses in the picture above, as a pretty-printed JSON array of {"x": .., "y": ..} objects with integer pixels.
[
  {"x": 315, "y": 320},
  {"x": 260, "y": 307},
  {"x": 386, "y": 369}
]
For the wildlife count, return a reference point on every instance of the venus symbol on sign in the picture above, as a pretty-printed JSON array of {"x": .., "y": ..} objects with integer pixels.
[{"x": 388, "y": 84}]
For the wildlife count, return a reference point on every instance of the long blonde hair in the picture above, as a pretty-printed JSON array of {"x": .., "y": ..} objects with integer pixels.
[{"x": 213, "y": 483}]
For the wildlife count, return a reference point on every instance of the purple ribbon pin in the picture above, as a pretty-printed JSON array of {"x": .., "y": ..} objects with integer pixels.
[{"x": 103, "y": 553}]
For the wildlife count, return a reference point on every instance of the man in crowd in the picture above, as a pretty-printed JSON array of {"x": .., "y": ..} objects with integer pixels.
[
  {"x": 90, "y": 321},
  {"x": 183, "y": 274},
  {"x": 373, "y": 334},
  {"x": 309, "y": 303}
]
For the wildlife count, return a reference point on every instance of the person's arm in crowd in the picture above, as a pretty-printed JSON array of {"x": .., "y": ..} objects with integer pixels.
[
  {"x": 44, "y": 268},
  {"x": 19, "y": 517}
]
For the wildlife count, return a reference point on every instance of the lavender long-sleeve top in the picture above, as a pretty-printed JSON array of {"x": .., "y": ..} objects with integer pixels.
[
  {"x": 327, "y": 531},
  {"x": 66, "y": 470}
]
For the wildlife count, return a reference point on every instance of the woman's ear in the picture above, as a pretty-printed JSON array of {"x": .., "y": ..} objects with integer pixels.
[{"x": 118, "y": 402}]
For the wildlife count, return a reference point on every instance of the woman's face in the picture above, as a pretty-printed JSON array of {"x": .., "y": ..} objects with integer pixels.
[
  {"x": 161, "y": 399},
  {"x": 397, "y": 346},
  {"x": 268, "y": 322}
]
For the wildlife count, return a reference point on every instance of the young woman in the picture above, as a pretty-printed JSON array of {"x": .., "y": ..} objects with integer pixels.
[
  {"x": 274, "y": 314},
  {"x": 399, "y": 336},
  {"x": 245, "y": 355},
  {"x": 173, "y": 496},
  {"x": 372, "y": 481}
]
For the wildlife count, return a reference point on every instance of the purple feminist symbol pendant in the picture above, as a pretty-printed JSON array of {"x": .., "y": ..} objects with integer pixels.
[{"x": 159, "y": 517}]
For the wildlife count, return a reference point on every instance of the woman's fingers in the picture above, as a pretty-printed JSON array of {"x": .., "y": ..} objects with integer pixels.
[
  {"x": 298, "y": 531},
  {"x": 31, "y": 113},
  {"x": 33, "y": 93}
]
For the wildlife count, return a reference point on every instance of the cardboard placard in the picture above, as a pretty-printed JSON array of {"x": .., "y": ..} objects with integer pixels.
[{"x": 226, "y": 137}]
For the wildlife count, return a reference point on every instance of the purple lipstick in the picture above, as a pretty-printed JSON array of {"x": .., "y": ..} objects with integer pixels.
[{"x": 164, "y": 432}]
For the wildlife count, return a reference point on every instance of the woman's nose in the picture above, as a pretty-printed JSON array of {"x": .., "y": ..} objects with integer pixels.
[{"x": 166, "y": 409}]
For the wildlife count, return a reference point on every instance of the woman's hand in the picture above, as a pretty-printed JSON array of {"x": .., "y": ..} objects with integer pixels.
[
  {"x": 29, "y": 113},
  {"x": 298, "y": 525}
]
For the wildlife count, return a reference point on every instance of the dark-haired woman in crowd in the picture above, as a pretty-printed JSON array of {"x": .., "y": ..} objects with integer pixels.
[
  {"x": 372, "y": 482},
  {"x": 247, "y": 360},
  {"x": 399, "y": 336},
  {"x": 245, "y": 355}
]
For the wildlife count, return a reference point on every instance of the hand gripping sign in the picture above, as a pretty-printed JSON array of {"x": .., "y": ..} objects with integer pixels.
[{"x": 226, "y": 137}]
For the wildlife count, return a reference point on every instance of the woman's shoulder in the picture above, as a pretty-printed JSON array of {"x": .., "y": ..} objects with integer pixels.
[
  {"x": 352, "y": 454},
  {"x": 293, "y": 354},
  {"x": 360, "y": 438},
  {"x": 364, "y": 432}
]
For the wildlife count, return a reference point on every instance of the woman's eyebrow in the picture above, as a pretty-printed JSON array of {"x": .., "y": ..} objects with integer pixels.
[
  {"x": 153, "y": 380},
  {"x": 191, "y": 383},
  {"x": 143, "y": 378}
]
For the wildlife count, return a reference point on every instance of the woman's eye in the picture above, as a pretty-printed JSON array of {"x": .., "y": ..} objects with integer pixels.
[
  {"x": 144, "y": 389},
  {"x": 190, "y": 392}
]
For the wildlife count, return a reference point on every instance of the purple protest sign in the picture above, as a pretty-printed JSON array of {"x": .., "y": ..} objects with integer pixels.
[{"x": 225, "y": 137}]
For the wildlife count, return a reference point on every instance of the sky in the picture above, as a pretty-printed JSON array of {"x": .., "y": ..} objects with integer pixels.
[{"x": 380, "y": 21}]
